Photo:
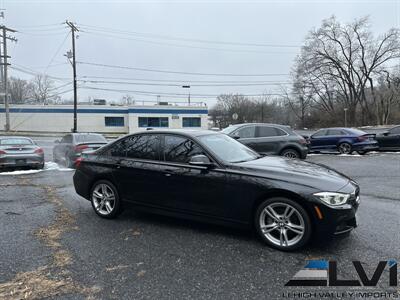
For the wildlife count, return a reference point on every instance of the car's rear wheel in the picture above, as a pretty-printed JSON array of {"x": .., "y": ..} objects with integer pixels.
[
  {"x": 283, "y": 224},
  {"x": 290, "y": 153},
  {"x": 105, "y": 199},
  {"x": 345, "y": 148},
  {"x": 362, "y": 152}
]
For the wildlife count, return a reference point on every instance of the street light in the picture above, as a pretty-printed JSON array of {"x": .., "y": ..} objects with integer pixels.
[
  {"x": 345, "y": 116},
  {"x": 187, "y": 87}
]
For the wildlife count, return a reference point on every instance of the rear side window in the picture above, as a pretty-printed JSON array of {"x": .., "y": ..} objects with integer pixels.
[
  {"x": 267, "y": 131},
  {"x": 246, "y": 132},
  {"x": 137, "y": 146},
  {"x": 15, "y": 141},
  {"x": 180, "y": 149},
  {"x": 337, "y": 132}
]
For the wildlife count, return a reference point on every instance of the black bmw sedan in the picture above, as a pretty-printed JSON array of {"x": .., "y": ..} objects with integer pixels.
[{"x": 209, "y": 176}]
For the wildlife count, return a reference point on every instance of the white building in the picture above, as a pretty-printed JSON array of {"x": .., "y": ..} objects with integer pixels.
[{"x": 104, "y": 118}]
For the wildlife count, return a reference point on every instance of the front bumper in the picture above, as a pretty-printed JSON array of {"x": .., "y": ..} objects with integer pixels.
[
  {"x": 365, "y": 146},
  {"x": 335, "y": 221},
  {"x": 21, "y": 160}
]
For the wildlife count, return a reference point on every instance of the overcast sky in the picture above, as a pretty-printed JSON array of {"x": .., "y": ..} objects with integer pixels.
[{"x": 206, "y": 37}]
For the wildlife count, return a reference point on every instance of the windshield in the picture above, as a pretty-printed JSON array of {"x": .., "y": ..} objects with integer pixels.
[
  {"x": 15, "y": 141},
  {"x": 228, "y": 149},
  {"x": 229, "y": 129},
  {"x": 89, "y": 138}
]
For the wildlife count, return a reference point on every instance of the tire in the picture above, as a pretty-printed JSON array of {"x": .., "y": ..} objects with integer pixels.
[
  {"x": 290, "y": 153},
  {"x": 345, "y": 148},
  {"x": 41, "y": 166},
  {"x": 68, "y": 162},
  {"x": 297, "y": 227},
  {"x": 114, "y": 207},
  {"x": 362, "y": 152}
]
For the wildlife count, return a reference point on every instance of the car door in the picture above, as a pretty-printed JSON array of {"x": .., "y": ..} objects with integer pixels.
[
  {"x": 391, "y": 140},
  {"x": 136, "y": 169},
  {"x": 318, "y": 140},
  {"x": 190, "y": 188},
  {"x": 246, "y": 135},
  {"x": 333, "y": 137},
  {"x": 269, "y": 139}
]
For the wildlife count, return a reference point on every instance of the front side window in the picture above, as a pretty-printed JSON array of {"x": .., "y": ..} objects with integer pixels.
[
  {"x": 319, "y": 133},
  {"x": 153, "y": 121},
  {"x": 227, "y": 148},
  {"x": 67, "y": 139},
  {"x": 191, "y": 122},
  {"x": 246, "y": 132},
  {"x": 395, "y": 130},
  {"x": 180, "y": 149}
]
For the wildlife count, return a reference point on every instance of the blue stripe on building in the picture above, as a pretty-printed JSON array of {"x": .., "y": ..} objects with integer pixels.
[
  {"x": 106, "y": 111},
  {"x": 167, "y": 111}
]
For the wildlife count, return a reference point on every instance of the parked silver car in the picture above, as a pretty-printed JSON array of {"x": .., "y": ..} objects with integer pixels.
[{"x": 18, "y": 151}]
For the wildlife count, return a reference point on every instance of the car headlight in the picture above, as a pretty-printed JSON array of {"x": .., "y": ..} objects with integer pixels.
[{"x": 333, "y": 199}]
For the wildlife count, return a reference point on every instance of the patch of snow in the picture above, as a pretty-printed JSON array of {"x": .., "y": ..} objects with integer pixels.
[
  {"x": 54, "y": 166},
  {"x": 48, "y": 166},
  {"x": 21, "y": 172}
]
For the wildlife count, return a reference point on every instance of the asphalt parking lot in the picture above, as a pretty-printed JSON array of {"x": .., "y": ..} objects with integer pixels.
[{"x": 53, "y": 245}]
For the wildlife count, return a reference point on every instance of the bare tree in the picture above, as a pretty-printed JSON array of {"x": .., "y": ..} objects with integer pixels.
[
  {"x": 44, "y": 91},
  {"x": 338, "y": 61},
  {"x": 20, "y": 90}
]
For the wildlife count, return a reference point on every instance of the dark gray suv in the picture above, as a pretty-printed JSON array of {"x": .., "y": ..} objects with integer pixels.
[{"x": 269, "y": 139}]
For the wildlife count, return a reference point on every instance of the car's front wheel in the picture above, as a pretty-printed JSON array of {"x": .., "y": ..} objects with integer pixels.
[
  {"x": 105, "y": 199},
  {"x": 290, "y": 153},
  {"x": 283, "y": 224}
]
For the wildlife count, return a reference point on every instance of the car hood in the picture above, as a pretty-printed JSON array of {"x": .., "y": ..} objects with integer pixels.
[{"x": 296, "y": 171}]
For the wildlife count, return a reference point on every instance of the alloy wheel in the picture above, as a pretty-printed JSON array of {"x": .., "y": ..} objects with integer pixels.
[
  {"x": 345, "y": 148},
  {"x": 103, "y": 198},
  {"x": 282, "y": 224},
  {"x": 290, "y": 154}
]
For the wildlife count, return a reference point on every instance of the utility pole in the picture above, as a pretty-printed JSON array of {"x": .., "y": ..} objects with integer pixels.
[
  {"x": 5, "y": 75},
  {"x": 73, "y": 29}
]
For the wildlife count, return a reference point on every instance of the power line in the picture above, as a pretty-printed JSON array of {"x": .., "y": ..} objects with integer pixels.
[
  {"x": 139, "y": 92},
  {"x": 181, "y": 81},
  {"x": 185, "y": 46},
  {"x": 126, "y": 32},
  {"x": 179, "y": 85},
  {"x": 29, "y": 71},
  {"x": 177, "y": 72},
  {"x": 57, "y": 51}
]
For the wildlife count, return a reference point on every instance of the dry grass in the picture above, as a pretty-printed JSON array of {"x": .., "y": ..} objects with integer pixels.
[
  {"x": 40, "y": 283},
  {"x": 36, "y": 285}
]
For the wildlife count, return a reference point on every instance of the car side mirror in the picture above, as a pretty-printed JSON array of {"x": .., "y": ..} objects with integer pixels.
[
  {"x": 386, "y": 133},
  {"x": 201, "y": 160},
  {"x": 235, "y": 136}
]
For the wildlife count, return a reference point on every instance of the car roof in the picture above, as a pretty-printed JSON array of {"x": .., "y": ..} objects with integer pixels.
[
  {"x": 268, "y": 124},
  {"x": 14, "y": 137},
  {"x": 187, "y": 132}
]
